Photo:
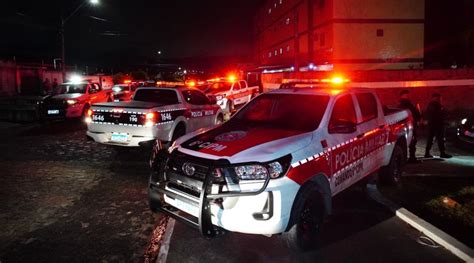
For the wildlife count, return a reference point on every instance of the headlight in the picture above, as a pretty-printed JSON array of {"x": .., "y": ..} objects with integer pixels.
[
  {"x": 251, "y": 172},
  {"x": 274, "y": 169},
  {"x": 71, "y": 102},
  {"x": 463, "y": 121}
]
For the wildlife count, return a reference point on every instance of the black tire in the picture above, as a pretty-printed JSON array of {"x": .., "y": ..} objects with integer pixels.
[
  {"x": 84, "y": 110},
  {"x": 153, "y": 204},
  {"x": 219, "y": 119},
  {"x": 392, "y": 173},
  {"x": 230, "y": 107},
  {"x": 308, "y": 217},
  {"x": 179, "y": 131}
]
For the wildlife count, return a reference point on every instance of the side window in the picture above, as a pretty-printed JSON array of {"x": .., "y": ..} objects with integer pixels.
[
  {"x": 236, "y": 86},
  {"x": 368, "y": 106},
  {"x": 198, "y": 98},
  {"x": 343, "y": 111},
  {"x": 242, "y": 84},
  {"x": 188, "y": 96}
]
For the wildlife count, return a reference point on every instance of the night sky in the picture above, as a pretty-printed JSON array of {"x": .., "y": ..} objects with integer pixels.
[{"x": 129, "y": 31}]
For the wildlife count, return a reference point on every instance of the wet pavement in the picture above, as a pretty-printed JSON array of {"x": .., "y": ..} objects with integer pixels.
[{"x": 66, "y": 199}]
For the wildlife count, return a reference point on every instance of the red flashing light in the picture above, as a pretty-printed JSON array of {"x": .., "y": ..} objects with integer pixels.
[
  {"x": 191, "y": 83},
  {"x": 89, "y": 112},
  {"x": 232, "y": 77},
  {"x": 127, "y": 81}
]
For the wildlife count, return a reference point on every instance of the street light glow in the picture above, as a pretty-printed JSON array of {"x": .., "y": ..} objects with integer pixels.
[{"x": 94, "y": 2}]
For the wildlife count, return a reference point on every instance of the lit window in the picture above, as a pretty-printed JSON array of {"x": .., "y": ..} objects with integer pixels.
[
  {"x": 275, "y": 5},
  {"x": 276, "y": 52},
  {"x": 288, "y": 48},
  {"x": 269, "y": 10},
  {"x": 281, "y": 2},
  {"x": 287, "y": 21},
  {"x": 269, "y": 54},
  {"x": 281, "y": 50}
]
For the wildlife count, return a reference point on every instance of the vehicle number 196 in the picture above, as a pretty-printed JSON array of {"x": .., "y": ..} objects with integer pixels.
[{"x": 133, "y": 118}]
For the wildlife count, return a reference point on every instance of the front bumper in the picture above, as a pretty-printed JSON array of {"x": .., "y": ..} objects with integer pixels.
[
  {"x": 253, "y": 208},
  {"x": 132, "y": 140}
]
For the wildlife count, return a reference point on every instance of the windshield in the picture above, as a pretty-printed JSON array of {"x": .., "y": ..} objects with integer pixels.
[
  {"x": 161, "y": 96},
  {"x": 283, "y": 111},
  {"x": 70, "y": 88},
  {"x": 218, "y": 87}
]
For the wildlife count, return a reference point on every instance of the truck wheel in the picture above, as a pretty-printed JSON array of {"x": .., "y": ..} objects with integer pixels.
[
  {"x": 84, "y": 110},
  {"x": 153, "y": 204},
  {"x": 179, "y": 131},
  {"x": 230, "y": 107},
  {"x": 392, "y": 173},
  {"x": 309, "y": 217},
  {"x": 219, "y": 119}
]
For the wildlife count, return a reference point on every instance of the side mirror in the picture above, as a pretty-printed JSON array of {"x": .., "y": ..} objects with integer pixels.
[
  {"x": 212, "y": 100},
  {"x": 342, "y": 126}
]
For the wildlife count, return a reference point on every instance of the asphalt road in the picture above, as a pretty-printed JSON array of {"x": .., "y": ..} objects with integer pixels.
[
  {"x": 65, "y": 199},
  {"x": 359, "y": 231}
]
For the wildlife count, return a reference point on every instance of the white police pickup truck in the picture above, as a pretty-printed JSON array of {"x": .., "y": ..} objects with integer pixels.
[
  {"x": 162, "y": 114},
  {"x": 274, "y": 167},
  {"x": 230, "y": 93}
]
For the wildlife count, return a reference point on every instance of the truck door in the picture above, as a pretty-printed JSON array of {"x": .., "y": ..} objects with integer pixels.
[
  {"x": 371, "y": 130},
  {"x": 344, "y": 150},
  {"x": 236, "y": 93},
  {"x": 197, "y": 119},
  {"x": 245, "y": 92}
]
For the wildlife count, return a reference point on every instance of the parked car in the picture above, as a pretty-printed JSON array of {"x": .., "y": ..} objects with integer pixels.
[
  {"x": 73, "y": 99},
  {"x": 230, "y": 93},
  {"x": 153, "y": 114},
  {"x": 274, "y": 167},
  {"x": 123, "y": 92},
  {"x": 465, "y": 130}
]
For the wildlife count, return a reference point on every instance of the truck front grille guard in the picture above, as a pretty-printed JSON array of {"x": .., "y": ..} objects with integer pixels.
[{"x": 204, "y": 222}]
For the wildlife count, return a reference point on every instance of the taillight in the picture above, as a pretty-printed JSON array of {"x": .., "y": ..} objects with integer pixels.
[
  {"x": 151, "y": 119},
  {"x": 88, "y": 118}
]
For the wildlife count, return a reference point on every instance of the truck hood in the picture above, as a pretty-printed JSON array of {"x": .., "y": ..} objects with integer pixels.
[
  {"x": 130, "y": 104},
  {"x": 238, "y": 144},
  {"x": 67, "y": 96}
]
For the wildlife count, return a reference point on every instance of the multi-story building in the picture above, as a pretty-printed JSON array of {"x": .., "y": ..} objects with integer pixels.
[{"x": 340, "y": 34}]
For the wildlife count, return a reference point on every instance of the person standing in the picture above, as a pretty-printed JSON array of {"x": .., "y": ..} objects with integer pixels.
[
  {"x": 405, "y": 103},
  {"x": 55, "y": 84},
  {"x": 435, "y": 115},
  {"x": 46, "y": 85}
]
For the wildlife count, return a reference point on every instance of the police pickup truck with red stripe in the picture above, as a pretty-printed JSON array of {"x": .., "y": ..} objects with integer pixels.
[
  {"x": 230, "y": 93},
  {"x": 162, "y": 114},
  {"x": 274, "y": 167}
]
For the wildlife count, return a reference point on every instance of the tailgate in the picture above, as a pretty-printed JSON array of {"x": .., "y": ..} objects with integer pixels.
[{"x": 120, "y": 114}]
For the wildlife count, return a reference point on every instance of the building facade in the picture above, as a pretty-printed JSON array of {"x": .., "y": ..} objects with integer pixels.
[{"x": 306, "y": 35}]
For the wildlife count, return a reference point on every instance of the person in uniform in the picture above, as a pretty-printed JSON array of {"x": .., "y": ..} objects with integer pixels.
[
  {"x": 435, "y": 115},
  {"x": 405, "y": 103}
]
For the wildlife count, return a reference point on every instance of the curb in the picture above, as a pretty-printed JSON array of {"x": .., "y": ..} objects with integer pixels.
[
  {"x": 165, "y": 246},
  {"x": 450, "y": 243}
]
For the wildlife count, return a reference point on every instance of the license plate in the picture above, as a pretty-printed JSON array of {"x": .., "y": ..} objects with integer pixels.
[
  {"x": 119, "y": 137},
  {"x": 53, "y": 112},
  {"x": 183, "y": 206}
]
